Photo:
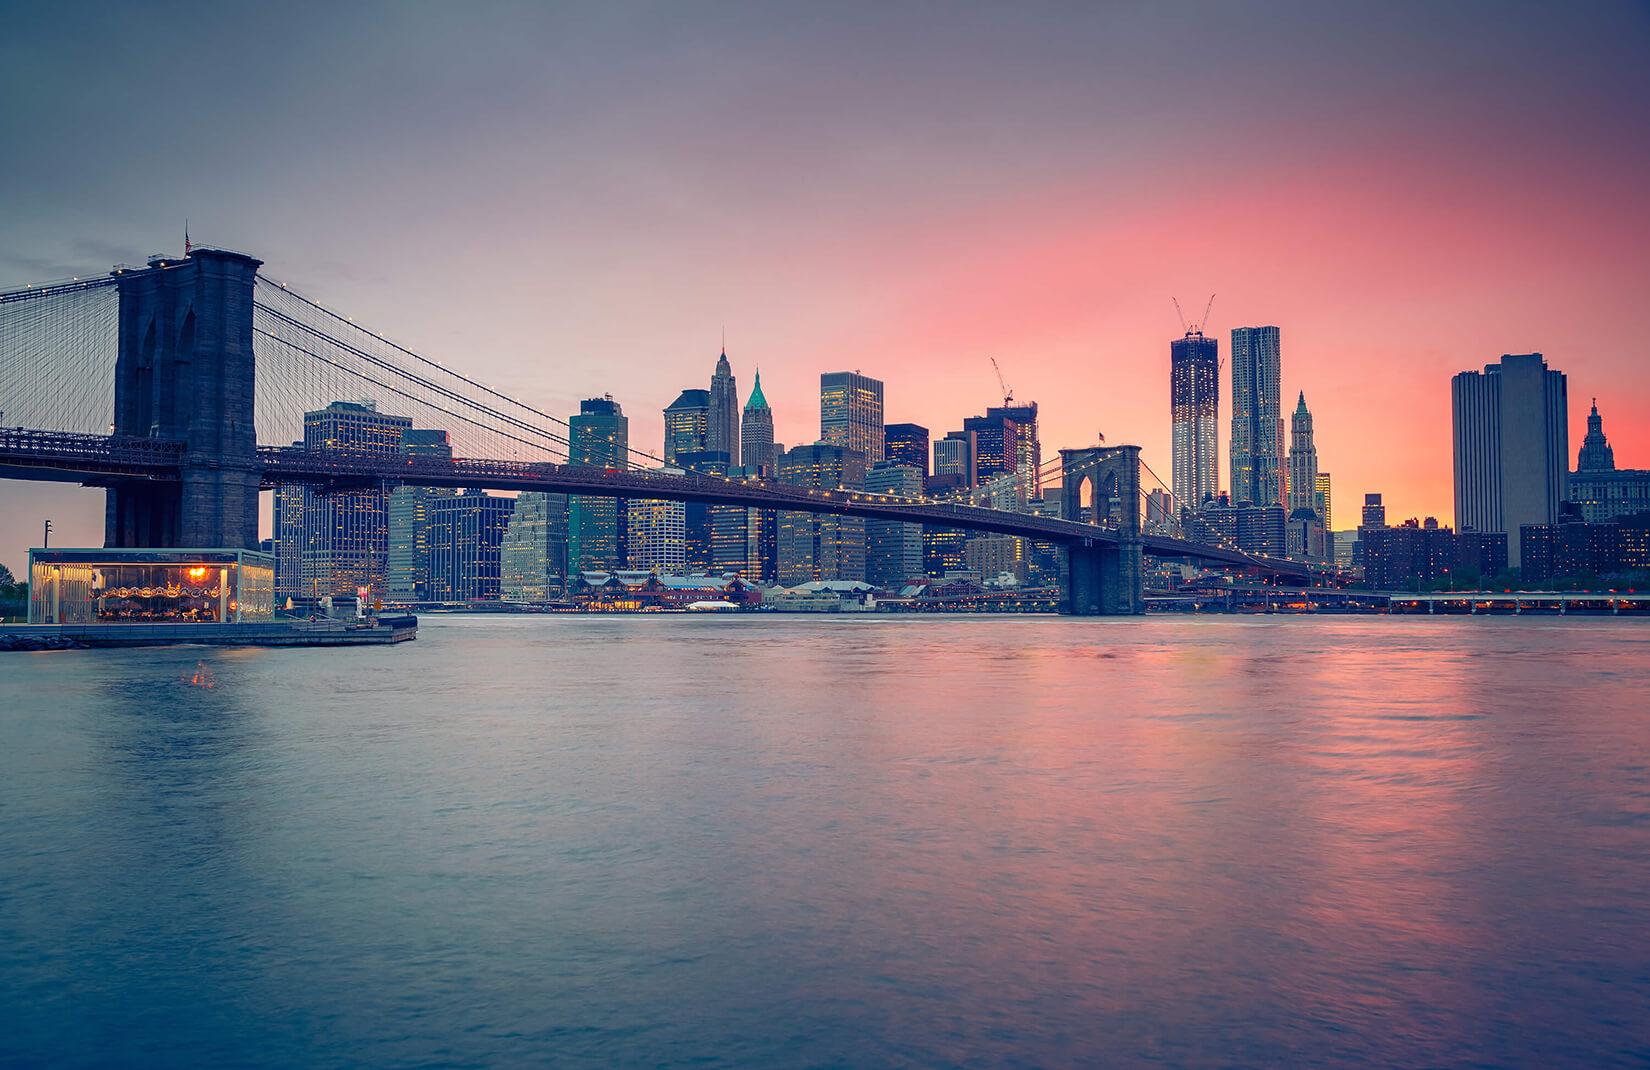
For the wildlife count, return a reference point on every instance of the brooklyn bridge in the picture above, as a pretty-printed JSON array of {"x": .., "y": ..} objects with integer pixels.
[{"x": 178, "y": 385}]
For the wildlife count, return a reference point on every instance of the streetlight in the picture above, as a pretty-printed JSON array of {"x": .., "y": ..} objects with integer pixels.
[{"x": 46, "y": 538}]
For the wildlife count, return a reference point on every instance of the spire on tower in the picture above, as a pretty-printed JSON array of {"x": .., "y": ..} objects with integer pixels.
[
  {"x": 1596, "y": 453},
  {"x": 757, "y": 401}
]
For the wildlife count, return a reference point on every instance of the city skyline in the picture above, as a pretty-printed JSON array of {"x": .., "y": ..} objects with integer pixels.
[
  {"x": 1388, "y": 261},
  {"x": 1065, "y": 533}
]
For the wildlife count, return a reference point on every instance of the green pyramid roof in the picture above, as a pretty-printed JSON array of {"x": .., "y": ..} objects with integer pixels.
[{"x": 757, "y": 401}]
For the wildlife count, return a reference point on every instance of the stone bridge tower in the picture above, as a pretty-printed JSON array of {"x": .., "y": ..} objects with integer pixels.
[
  {"x": 1102, "y": 486},
  {"x": 184, "y": 372}
]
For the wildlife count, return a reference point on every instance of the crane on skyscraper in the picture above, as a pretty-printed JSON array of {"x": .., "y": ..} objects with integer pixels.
[
  {"x": 1193, "y": 328},
  {"x": 1008, "y": 393}
]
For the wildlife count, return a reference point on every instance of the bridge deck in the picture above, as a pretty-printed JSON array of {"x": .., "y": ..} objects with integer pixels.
[{"x": 32, "y": 454}]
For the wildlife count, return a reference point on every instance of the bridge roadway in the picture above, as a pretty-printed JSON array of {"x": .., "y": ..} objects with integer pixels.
[{"x": 100, "y": 459}]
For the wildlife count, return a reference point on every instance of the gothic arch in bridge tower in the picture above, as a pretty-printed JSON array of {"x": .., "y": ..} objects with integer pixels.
[
  {"x": 186, "y": 335},
  {"x": 181, "y": 401},
  {"x": 1102, "y": 486}
]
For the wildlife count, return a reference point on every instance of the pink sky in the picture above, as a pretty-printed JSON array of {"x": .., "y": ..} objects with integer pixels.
[{"x": 569, "y": 203}]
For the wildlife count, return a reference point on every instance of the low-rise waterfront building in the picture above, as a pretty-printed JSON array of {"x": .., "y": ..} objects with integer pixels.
[
  {"x": 634, "y": 590},
  {"x": 1574, "y": 550},
  {"x": 150, "y": 586}
]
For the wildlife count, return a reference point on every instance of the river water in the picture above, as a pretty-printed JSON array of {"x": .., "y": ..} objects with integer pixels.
[{"x": 806, "y": 841}]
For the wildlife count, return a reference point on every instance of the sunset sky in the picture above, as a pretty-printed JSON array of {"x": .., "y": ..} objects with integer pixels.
[{"x": 571, "y": 202}]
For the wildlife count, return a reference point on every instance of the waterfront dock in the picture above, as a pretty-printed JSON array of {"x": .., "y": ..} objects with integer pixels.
[{"x": 322, "y": 632}]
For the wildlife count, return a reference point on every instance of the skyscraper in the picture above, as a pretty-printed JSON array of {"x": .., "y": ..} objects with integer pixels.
[
  {"x": 687, "y": 424},
  {"x": 1512, "y": 446},
  {"x": 1257, "y": 472},
  {"x": 850, "y": 413},
  {"x": 340, "y": 538},
  {"x": 290, "y": 531},
  {"x": 1323, "y": 501},
  {"x": 656, "y": 536},
  {"x": 466, "y": 532},
  {"x": 599, "y": 435},
  {"x": 756, "y": 445},
  {"x": 1006, "y": 441},
  {"x": 893, "y": 551},
  {"x": 407, "y": 573},
  {"x": 744, "y": 541},
  {"x": 906, "y": 444},
  {"x": 1194, "y": 406},
  {"x": 533, "y": 553},
  {"x": 955, "y": 456},
  {"x": 1303, "y": 460},
  {"x": 944, "y": 550},
  {"x": 698, "y": 516},
  {"x": 814, "y": 546},
  {"x": 722, "y": 433}
]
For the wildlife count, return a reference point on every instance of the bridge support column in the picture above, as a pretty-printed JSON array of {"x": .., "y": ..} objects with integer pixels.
[
  {"x": 184, "y": 372},
  {"x": 1102, "y": 581},
  {"x": 1102, "y": 486}
]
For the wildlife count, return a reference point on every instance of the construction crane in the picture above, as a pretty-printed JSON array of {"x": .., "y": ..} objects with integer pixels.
[
  {"x": 1193, "y": 328},
  {"x": 1008, "y": 394}
]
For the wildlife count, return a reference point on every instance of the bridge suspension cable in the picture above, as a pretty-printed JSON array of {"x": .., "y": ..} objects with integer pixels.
[
  {"x": 57, "y": 355},
  {"x": 393, "y": 389},
  {"x": 299, "y": 330}
]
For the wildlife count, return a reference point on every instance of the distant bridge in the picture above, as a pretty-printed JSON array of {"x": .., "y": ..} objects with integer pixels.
[{"x": 204, "y": 353}]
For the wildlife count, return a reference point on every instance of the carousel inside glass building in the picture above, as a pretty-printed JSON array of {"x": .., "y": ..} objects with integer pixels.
[{"x": 144, "y": 586}]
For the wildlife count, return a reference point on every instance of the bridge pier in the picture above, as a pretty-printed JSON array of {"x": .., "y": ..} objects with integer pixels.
[
  {"x": 1102, "y": 486},
  {"x": 1102, "y": 581},
  {"x": 184, "y": 372}
]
